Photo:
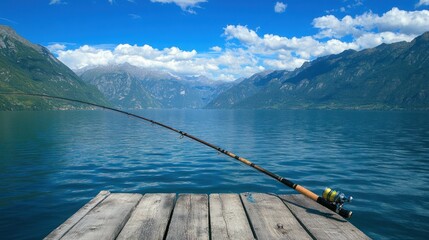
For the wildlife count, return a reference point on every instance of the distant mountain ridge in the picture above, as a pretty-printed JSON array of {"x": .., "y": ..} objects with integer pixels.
[
  {"x": 390, "y": 76},
  {"x": 31, "y": 68},
  {"x": 131, "y": 87}
]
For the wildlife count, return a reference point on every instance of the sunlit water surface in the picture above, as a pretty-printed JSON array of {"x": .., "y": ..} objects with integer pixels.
[{"x": 52, "y": 163}]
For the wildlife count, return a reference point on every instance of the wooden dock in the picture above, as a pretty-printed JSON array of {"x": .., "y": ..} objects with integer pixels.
[{"x": 201, "y": 216}]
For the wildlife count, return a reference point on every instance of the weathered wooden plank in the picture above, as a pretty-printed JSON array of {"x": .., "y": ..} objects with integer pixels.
[
  {"x": 270, "y": 218},
  {"x": 190, "y": 218},
  {"x": 106, "y": 220},
  {"x": 322, "y": 223},
  {"x": 228, "y": 219},
  {"x": 60, "y": 231},
  {"x": 150, "y": 218}
]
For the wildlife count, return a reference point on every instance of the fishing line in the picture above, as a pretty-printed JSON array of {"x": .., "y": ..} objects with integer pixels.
[{"x": 330, "y": 199}]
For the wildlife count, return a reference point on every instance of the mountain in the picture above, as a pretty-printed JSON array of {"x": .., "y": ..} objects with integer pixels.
[
  {"x": 385, "y": 77},
  {"x": 131, "y": 87},
  {"x": 247, "y": 88},
  {"x": 30, "y": 68}
]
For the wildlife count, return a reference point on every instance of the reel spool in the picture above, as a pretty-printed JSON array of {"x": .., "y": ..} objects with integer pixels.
[{"x": 336, "y": 197}]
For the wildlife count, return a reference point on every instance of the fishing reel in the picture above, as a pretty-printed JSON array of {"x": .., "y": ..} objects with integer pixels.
[{"x": 336, "y": 198}]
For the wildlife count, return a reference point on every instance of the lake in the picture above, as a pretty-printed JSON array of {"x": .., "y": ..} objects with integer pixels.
[{"x": 53, "y": 162}]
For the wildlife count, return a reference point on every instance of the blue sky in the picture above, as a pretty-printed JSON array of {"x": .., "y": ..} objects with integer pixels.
[{"x": 222, "y": 39}]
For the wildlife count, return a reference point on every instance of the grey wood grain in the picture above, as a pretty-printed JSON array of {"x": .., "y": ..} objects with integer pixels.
[
  {"x": 108, "y": 215},
  {"x": 60, "y": 231},
  {"x": 322, "y": 223},
  {"x": 190, "y": 218},
  {"x": 270, "y": 218},
  {"x": 106, "y": 220},
  {"x": 150, "y": 218},
  {"x": 227, "y": 218}
]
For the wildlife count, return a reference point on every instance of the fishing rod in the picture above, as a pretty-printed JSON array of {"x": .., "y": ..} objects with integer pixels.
[{"x": 331, "y": 199}]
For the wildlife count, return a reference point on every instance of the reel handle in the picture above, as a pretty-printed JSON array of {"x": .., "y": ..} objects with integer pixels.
[{"x": 345, "y": 213}]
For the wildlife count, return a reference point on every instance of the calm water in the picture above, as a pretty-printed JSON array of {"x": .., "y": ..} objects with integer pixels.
[{"x": 51, "y": 163}]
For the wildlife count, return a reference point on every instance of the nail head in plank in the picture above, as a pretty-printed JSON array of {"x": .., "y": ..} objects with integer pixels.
[
  {"x": 150, "y": 218},
  {"x": 106, "y": 220},
  {"x": 270, "y": 218},
  {"x": 60, "y": 231},
  {"x": 322, "y": 223},
  {"x": 228, "y": 219},
  {"x": 190, "y": 218}
]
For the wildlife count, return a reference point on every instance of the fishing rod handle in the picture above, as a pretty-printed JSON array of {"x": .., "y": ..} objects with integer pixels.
[
  {"x": 304, "y": 191},
  {"x": 342, "y": 212}
]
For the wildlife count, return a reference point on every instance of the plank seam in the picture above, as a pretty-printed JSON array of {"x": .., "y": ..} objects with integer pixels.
[
  {"x": 248, "y": 217},
  {"x": 127, "y": 217},
  {"x": 170, "y": 217},
  {"x": 296, "y": 217},
  {"x": 210, "y": 222}
]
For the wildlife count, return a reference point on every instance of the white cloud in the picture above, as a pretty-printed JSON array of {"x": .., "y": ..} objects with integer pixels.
[
  {"x": 412, "y": 22},
  {"x": 288, "y": 53},
  {"x": 248, "y": 51},
  {"x": 369, "y": 40},
  {"x": 306, "y": 47},
  {"x": 422, "y": 3},
  {"x": 280, "y": 7},
  {"x": 216, "y": 48},
  {"x": 242, "y": 33},
  {"x": 228, "y": 65},
  {"x": 56, "y": 2},
  {"x": 85, "y": 56},
  {"x": 185, "y": 5},
  {"x": 284, "y": 62},
  {"x": 111, "y": 1},
  {"x": 395, "y": 20},
  {"x": 333, "y": 27},
  {"x": 354, "y": 3},
  {"x": 55, "y": 47}
]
